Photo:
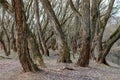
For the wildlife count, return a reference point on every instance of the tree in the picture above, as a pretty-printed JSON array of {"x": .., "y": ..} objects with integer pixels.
[
  {"x": 42, "y": 40},
  {"x": 103, "y": 48},
  {"x": 62, "y": 43},
  {"x": 32, "y": 42},
  {"x": 83, "y": 61},
  {"x": 40, "y": 33},
  {"x": 4, "y": 31},
  {"x": 95, "y": 24},
  {"x": 22, "y": 44}
]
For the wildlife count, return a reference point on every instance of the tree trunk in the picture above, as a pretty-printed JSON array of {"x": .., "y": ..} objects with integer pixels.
[
  {"x": 62, "y": 43},
  {"x": 104, "y": 49},
  {"x": 42, "y": 40},
  {"x": 83, "y": 60},
  {"x": 7, "y": 44},
  {"x": 22, "y": 44},
  {"x": 94, "y": 24},
  {"x": 107, "y": 46},
  {"x": 35, "y": 52},
  {"x": 13, "y": 40}
]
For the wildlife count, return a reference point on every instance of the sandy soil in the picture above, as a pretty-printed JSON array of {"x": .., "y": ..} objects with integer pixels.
[{"x": 10, "y": 69}]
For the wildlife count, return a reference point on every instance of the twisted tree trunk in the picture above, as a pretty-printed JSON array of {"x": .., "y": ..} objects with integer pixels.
[
  {"x": 22, "y": 44},
  {"x": 62, "y": 43},
  {"x": 104, "y": 49},
  {"x": 107, "y": 46}
]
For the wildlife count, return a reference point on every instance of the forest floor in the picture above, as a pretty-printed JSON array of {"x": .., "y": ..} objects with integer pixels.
[{"x": 10, "y": 69}]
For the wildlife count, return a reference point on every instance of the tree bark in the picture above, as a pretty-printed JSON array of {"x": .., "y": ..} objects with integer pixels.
[
  {"x": 35, "y": 52},
  {"x": 83, "y": 60},
  {"x": 42, "y": 40},
  {"x": 101, "y": 48},
  {"x": 6, "y": 46},
  {"x": 62, "y": 43},
  {"x": 108, "y": 44},
  {"x": 94, "y": 25},
  {"x": 22, "y": 44},
  {"x": 13, "y": 41}
]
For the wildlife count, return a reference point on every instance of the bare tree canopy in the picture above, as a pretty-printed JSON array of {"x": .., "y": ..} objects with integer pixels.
[{"x": 66, "y": 31}]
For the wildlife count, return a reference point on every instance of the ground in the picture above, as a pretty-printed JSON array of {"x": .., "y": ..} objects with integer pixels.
[{"x": 10, "y": 69}]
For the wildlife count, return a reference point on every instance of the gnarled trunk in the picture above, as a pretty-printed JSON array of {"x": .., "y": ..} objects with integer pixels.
[
  {"x": 104, "y": 49},
  {"x": 83, "y": 60},
  {"x": 107, "y": 46},
  {"x": 35, "y": 52},
  {"x": 22, "y": 44},
  {"x": 60, "y": 37}
]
